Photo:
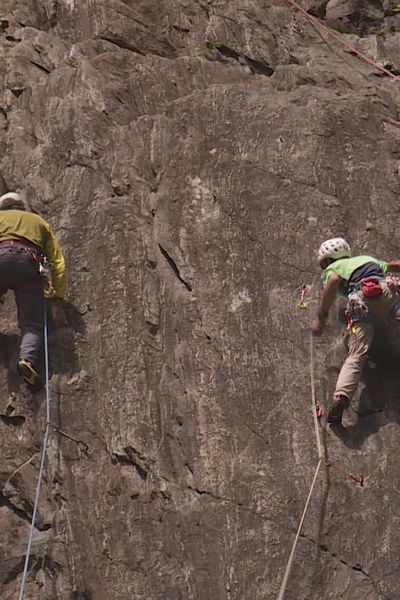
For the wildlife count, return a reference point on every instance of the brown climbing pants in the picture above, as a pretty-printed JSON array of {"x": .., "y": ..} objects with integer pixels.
[
  {"x": 19, "y": 271},
  {"x": 360, "y": 342}
]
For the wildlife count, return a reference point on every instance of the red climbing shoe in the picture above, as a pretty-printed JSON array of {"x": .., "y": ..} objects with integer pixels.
[{"x": 335, "y": 412}]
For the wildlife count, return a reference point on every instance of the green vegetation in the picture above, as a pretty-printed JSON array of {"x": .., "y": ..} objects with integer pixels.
[
  {"x": 72, "y": 62},
  {"x": 341, "y": 27},
  {"x": 213, "y": 46},
  {"x": 210, "y": 48}
]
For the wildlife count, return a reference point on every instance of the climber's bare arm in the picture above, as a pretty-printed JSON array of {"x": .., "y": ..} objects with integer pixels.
[
  {"x": 328, "y": 297},
  {"x": 394, "y": 266}
]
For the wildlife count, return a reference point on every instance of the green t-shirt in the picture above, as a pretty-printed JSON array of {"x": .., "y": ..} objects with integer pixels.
[{"x": 344, "y": 267}]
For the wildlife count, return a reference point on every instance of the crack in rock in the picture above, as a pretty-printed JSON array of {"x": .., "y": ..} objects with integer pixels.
[
  {"x": 255, "y": 66},
  {"x": 14, "y": 421},
  {"x": 4, "y": 502},
  {"x": 174, "y": 268},
  {"x": 356, "y": 567}
]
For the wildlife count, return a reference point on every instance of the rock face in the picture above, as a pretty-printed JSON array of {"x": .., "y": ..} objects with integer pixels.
[{"x": 191, "y": 156}]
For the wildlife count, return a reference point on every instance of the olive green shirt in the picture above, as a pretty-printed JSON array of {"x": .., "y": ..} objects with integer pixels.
[{"x": 17, "y": 224}]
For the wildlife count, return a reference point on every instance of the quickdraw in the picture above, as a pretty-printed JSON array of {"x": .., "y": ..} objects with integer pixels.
[
  {"x": 356, "y": 478},
  {"x": 351, "y": 327},
  {"x": 303, "y": 290},
  {"x": 45, "y": 272},
  {"x": 80, "y": 443}
]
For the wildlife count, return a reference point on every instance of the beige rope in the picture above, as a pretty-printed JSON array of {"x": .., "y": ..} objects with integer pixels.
[{"x": 310, "y": 493}]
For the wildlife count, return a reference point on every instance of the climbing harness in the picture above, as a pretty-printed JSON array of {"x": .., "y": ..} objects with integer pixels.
[
  {"x": 42, "y": 460},
  {"x": 357, "y": 308},
  {"x": 44, "y": 267},
  {"x": 344, "y": 42},
  {"x": 369, "y": 288}
]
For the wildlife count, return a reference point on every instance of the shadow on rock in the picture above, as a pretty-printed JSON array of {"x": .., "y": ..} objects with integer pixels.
[
  {"x": 379, "y": 402},
  {"x": 9, "y": 352},
  {"x": 62, "y": 354}
]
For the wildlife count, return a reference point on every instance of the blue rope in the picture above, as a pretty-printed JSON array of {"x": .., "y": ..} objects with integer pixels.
[{"x": 42, "y": 460}]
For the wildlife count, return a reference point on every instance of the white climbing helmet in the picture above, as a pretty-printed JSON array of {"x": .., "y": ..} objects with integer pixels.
[
  {"x": 13, "y": 200},
  {"x": 334, "y": 248}
]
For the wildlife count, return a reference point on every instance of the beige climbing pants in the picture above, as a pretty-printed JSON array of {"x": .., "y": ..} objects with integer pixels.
[{"x": 360, "y": 342}]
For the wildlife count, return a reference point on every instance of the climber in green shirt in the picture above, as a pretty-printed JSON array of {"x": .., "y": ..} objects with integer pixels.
[{"x": 373, "y": 301}]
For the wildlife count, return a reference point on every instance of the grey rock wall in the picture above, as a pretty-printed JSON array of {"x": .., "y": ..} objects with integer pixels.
[{"x": 191, "y": 156}]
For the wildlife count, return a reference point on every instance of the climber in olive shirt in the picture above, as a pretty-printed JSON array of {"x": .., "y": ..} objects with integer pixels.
[
  {"x": 25, "y": 239},
  {"x": 372, "y": 300}
]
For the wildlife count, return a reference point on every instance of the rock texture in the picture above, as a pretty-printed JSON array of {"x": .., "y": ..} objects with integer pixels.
[{"x": 191, "y": 155}]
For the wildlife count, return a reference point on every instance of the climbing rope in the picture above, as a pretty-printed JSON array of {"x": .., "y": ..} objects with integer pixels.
[
  {"x": 344, "y": 42},
  {"x": 320, "y": 460},
  {"x": 42, "y": 460},
  {"x": 313, "y": 397}
]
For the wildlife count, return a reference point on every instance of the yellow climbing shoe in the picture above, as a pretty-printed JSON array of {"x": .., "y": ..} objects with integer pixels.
[{"x": 27, "y": 372}]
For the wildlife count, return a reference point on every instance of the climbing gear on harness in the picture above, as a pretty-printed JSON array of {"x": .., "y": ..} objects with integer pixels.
[
  {"x": 371, "y": 288},
  {"x": 335, "y": 412},
  {"x": 45, "y": 272},
  {"x": 393, "y": 283},
  {"x": 14, "y": 200},
  {"x": 27, "y": 372},
  {"x": 334, "y": 248},
  {"x": 44, "y": 266},
  {"x": 356, "y": 307}
]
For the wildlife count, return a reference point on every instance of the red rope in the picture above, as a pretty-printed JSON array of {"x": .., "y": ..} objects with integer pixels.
[{"x": 343, "y": 41}]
